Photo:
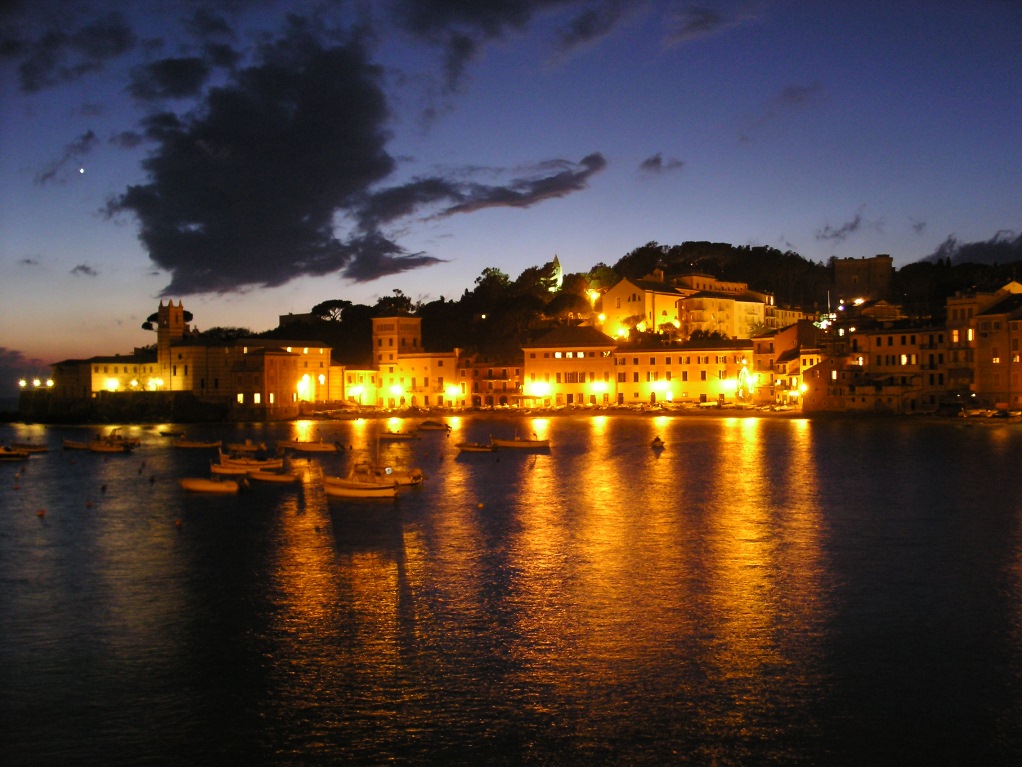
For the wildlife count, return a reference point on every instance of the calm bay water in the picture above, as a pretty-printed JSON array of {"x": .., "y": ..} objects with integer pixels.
[{"x": 765, "y": 591}]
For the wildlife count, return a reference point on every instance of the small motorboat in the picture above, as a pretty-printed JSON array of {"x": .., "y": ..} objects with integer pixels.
[
  {"x": 203, "y": 485},
  {"x": 359, "y": 490},
  {"x": 475, "y": 447},
  {"x": 521, "y": 443},
  {"x": 31, "y": 447},
  {"x": 394, "y": 436},
  {"x": 222, "y": 470},
  {"x": 310, "y": 446},
  {"x": 252, "y": 464},
  {"x": 196, "y": 443},
  {"x": 365, "y": 472},
  {"x": 433, "y": 426},
  {"x": 280, "y": 478},
  {"x": 172, "y": 433},
  {"x": 12, "y": 454},
  {"x": 657, "y": 443}
]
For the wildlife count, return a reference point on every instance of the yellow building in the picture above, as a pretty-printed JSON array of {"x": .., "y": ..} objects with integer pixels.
[
  {"x": 998, "y": 363},
  {"x": 568, "y": 366},
  {"x": 715, "y": 373},
  {"x": 647, "y": 305}
]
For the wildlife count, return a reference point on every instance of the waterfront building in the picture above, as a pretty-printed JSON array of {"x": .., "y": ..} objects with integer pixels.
[
  {"x": 779, "y": 359},
  {"x": 997, "y": 361},
  {"x": 569, "y": 366},
  {"x": 647, "y": 304},
  {"x": 715, "y": 372}
]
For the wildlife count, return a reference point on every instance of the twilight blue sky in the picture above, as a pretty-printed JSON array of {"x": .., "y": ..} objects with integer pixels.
[{"x": 254, "y": 158}]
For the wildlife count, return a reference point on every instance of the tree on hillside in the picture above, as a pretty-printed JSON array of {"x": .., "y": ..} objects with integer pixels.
[
  {"x": 398, "y": 303},
  {"x": 331, "y": 311}
]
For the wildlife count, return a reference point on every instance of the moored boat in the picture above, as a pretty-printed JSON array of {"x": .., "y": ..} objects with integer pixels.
[
  {"x": 433, "y": 426},
  {"x": 521, "y": 443},
  {"x": 30, "y": 447},
  {"x": 359, "y": 490},
  {"x": 394, "y": 436},
  {"x": 253, "y": 464},
  {"x": 280, "y": 478},
  {"x": 204, "y": 485},
  {"x": 365, "y": 472},
  {"x": 12, "y": 454},
  {"x": 222, "y": 470},
  {"x": 657, "y": 443},
  {"x": 248, "y": 446},
  {"x": 475, "y": 447},
  {"x": 303, "y": 446},
  {"x": 75, "y": 444},
  {"x": 197, "y": 443}
]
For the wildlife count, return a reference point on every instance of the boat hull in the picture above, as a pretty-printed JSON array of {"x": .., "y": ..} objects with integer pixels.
[{"x": 200, "y": 485}]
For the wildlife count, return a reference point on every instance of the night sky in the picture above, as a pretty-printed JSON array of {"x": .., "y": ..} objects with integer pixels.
[{"x": 256, "y": 158}]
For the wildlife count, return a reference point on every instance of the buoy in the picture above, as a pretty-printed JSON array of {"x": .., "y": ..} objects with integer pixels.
[
  {"x": 177, "y": 523},
  {"x": 479, "y": 506},
  {"x": 41, "y": 513}
]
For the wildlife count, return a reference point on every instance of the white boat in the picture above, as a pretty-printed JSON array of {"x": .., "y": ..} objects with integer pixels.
[
  {"x": 196, "y": 443},
  {"x": 433, "y": 426},
  {"x": 396, "y": 436},
  {"x": 520, "y": 443},
  {"x": 366, "y": 473},
  {"x": 12, "y": 454},
  {"x": 254, "y": 464},
  {"x": 248, "y": 446},
  {"x": 475, "y": 447},
  {"x": 302, "y": 446},
  {"x": 104, "y": 445},
  {"x": 281, "y": 478},
  {"x": 203, "y": 485},
  {"x": 31, "y": 447},
  {"x": 360, "y": 490},
  {"x": 222, "y": 470}
]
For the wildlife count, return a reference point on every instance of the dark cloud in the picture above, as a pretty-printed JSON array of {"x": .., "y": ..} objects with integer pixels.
[
  {"x": 84, "y": 270},
  {"x": 128, "y": 139},
  {"x": 840, "y": 233},
  {"x": 461, "y": 27},
  {"x": 57, "y": 170},
  {"x": 244, "y": 190},
  {"x": 168, "y": 78},
  {"x": 592, "y": 23},
  {"x": 657, "y": 164},
  {"x": 206, "y": 25},
  {"x": 1004, "y": 247},
  {"x": 556, "y": 179},
  {"x": 57, "y": 56},
  {"x": 918, "y": 227},
  {"x": 28, "y": 261},
  {"x": 689, "y": 23}
]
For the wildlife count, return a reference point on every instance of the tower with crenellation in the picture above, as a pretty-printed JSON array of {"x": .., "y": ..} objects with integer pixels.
[{"x": 170, "y": 328}]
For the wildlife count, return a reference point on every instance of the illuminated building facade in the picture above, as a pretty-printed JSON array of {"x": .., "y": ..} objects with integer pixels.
[
  {"x": 716, "y": 373},
  {"x": 998, "y": 354},
  {"x": 569, "y": 366}
]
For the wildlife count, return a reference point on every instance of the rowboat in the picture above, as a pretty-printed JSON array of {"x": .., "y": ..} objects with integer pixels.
[
  {"x": 203, "y": 485},
  {"x": 520, "y": 443},
  {"x": 302, "y": 446},
  {"x": 31, "y": 447},
  {"x": 196, "y": 443},
  {"x": 248, "y": 446},
  {"x": 282, "y": 478},
  {"x": 253, "y": 464},
  {"x": 12, "y": 454},
  {"x": 359, "y": 490},
  {"x": 475, "y": 447},
  {"x": 433, "y": 426},
  {"x": 395, "y": 436},
  {"x": 222, "y": 470},
  {"x": 104, "y": 445}
]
